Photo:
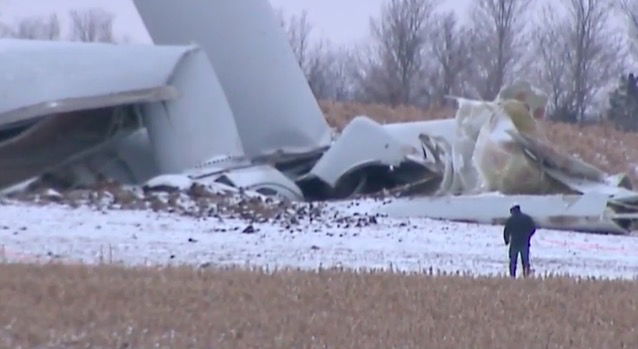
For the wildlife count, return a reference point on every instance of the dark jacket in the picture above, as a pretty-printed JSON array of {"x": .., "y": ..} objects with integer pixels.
[{"x": 519, "y": 229}]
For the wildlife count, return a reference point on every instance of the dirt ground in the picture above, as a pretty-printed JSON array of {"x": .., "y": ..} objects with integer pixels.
[{"x": 58, "y": 306}]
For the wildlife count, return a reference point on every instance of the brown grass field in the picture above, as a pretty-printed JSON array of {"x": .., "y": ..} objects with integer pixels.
[
  {"x": 601, "y": 145},
  {"x": 57, "y": 306}
]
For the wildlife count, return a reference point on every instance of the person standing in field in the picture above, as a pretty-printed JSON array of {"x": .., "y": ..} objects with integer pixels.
[{"x": 518, "y": 233}]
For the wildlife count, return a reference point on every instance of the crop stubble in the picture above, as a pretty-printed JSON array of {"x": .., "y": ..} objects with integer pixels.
[{"x": 57, "y": 306}]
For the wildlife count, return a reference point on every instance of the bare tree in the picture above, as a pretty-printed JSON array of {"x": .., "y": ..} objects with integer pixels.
[
  {"x": 327, "y": 68},
  {"x": 342, "y": 74},
  {"x": 450, "y": 52},
  {"x": 395, "y": 68},
  {"x": 498, "y": 27},
  {"x": 299, "y": 30},
  {"x": 630, "y": 9},
  {"x": 330, "y": 72},
  {"x": 38, "y": 28},
  {"x": 92, "y": 25},
  {"x": 580, "y": 56},
  {"x": 551, "y": 61},
  {"x": 6, "y": 31}
]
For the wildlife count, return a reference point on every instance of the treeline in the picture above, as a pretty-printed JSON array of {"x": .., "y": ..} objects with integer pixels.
[
  {"x": 89, "y": 25},
  {"x": 575, "y": 50}
]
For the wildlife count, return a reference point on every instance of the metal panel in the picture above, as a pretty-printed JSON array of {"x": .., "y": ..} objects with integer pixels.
[
  {"x": 40, "y": 77},
  {"x": 362, "y": 143},
  {"x": 264, "y": 179},
  {"x": 409, "y": 132},
  {"x": 196, "y": 127},
  {"x": 270, "y": 98},
  {"x": 588, "y": 212},
  {"x": 16, "y": 116}
]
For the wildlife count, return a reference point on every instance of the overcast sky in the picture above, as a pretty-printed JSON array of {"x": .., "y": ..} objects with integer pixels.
[{"x": 343, "y": 21}]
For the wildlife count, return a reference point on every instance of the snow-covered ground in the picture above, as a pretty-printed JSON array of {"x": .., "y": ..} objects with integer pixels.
[{"x": 38, "y": 234}]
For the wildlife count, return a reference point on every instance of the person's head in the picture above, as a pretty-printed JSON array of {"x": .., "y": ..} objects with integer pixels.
[{"x": 516, "y": 209}]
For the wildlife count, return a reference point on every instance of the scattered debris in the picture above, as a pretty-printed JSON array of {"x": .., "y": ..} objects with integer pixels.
[{"x": 249, "y": 230}]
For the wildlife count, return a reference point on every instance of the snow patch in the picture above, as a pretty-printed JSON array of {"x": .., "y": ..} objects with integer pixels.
[
  {"x": 336, "y": 235},
  {"x": 177, "y": 182}
]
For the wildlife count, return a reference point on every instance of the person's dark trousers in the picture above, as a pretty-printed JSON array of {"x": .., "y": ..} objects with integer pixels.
[{"x": 524, "y": 252}]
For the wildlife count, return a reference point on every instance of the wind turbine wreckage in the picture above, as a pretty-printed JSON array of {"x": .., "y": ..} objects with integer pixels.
[{"x": 220, "y": 97}]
